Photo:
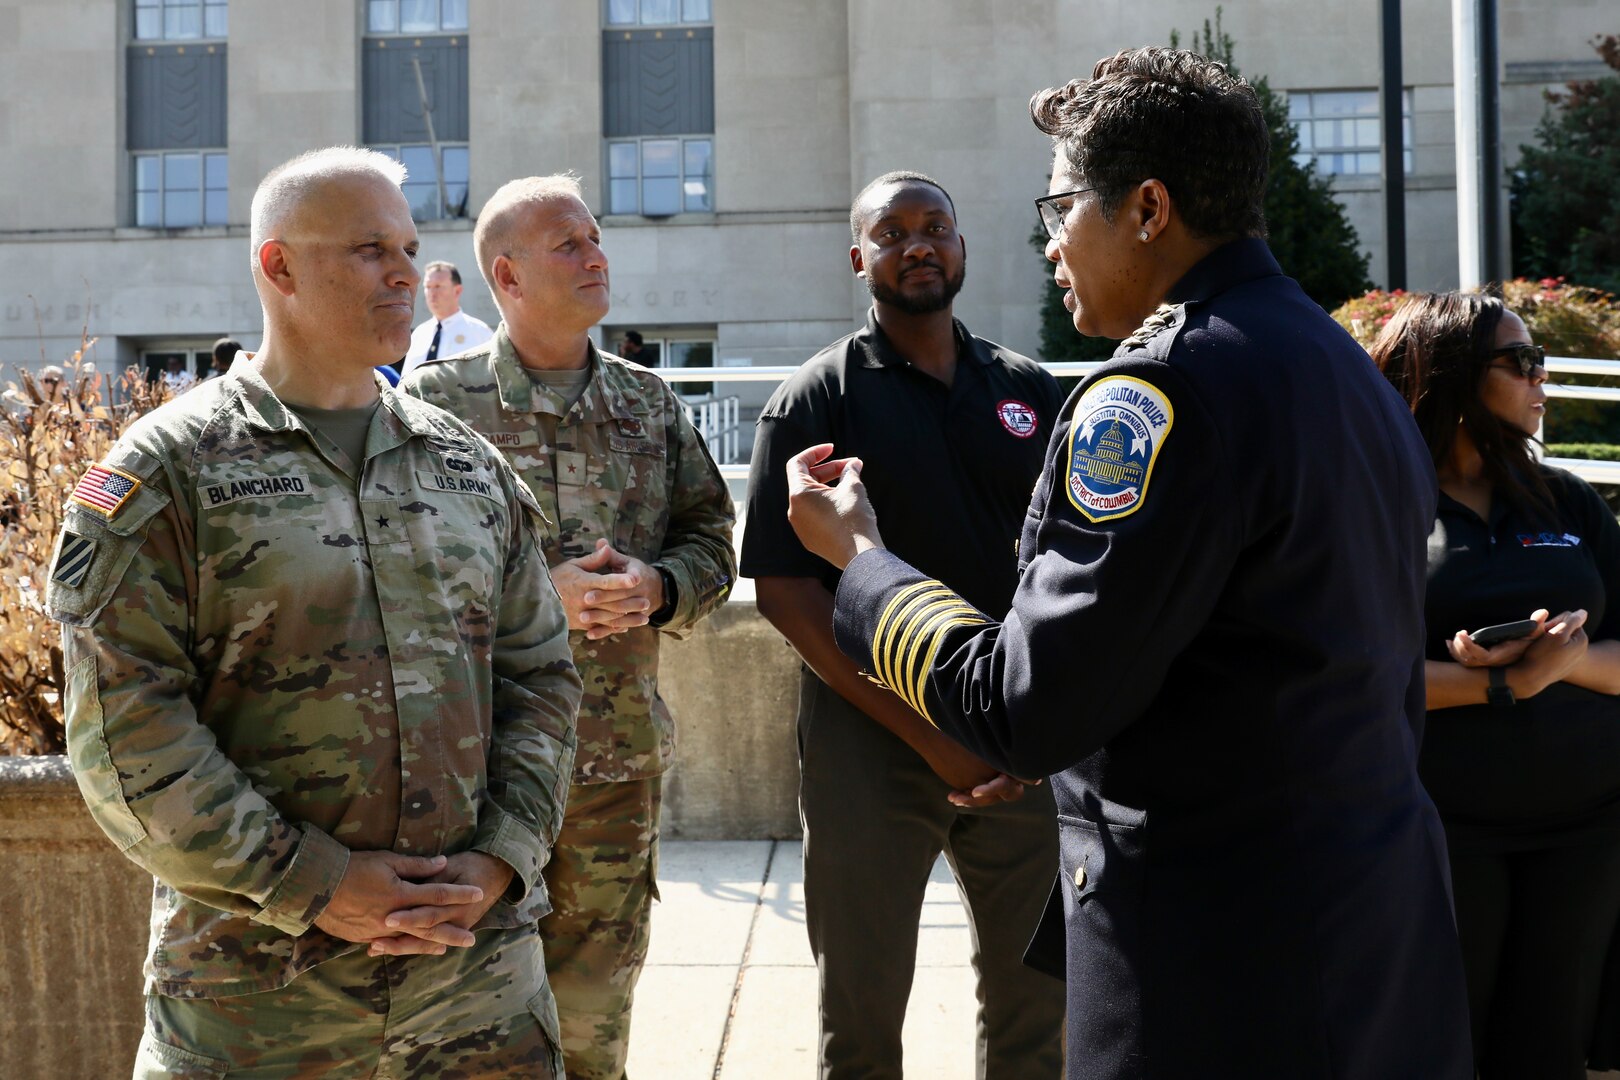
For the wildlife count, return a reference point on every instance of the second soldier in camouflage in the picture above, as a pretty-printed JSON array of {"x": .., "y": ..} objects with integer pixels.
[{"x": 643, "y": 548}]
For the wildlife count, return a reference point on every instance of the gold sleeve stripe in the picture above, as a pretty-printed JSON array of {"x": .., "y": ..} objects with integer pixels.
[
  {"x": 906, "y": 627},
  {"x": 898, "y": 619},
  {"x": 927, "y": 665},
  {"x": 889, "y": 610},
  {"x": 908, "y": 595},
  {"x": 923, "y": 623}
]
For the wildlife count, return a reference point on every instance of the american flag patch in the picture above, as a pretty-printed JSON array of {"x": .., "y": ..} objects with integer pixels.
[
  {"x": 105, "y": 490},
  {"x": 73, "y": 560}
]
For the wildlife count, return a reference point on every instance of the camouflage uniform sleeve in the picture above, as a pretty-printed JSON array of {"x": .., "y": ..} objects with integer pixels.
[
  {"x": 536, "y": 699},
  {"x": 151, "y": 771},
  {"x": 697, "y": 550}
]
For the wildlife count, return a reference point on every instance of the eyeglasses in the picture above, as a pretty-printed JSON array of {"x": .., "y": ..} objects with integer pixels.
[
  {"x": 1052, "y": 214},
  {"x": 1526, "y": 359}
]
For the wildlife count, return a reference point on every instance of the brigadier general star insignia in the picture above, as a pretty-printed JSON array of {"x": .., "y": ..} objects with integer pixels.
[{"x": 105, "y": 490}]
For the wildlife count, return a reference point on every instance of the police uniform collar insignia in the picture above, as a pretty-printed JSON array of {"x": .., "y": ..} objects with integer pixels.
[
  {"x": 1120, "y": 424},
  {"x": 105, "y": 490},
  {"x": 1162, "y": 318}
]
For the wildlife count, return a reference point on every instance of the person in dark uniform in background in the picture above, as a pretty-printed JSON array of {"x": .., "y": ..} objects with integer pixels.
[
  {"x": 1216, "y": 644},
  {"x": 1522, "y": 755},
  {"x": 953, "y": 429},
  {"x": 224, "y": 354}
]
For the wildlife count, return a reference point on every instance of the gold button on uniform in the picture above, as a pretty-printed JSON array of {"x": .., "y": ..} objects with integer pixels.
[{"x": 1079, "y": 877}]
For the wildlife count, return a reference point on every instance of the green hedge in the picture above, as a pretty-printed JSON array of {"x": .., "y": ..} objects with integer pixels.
[
  {"x": 1592, "y": 451},
  {"x": 1589, "y": 451}
]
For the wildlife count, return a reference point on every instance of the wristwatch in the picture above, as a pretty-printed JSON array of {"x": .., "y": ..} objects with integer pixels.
[
  {"x": 1498, "y": 692},
  {"x": 667, "y": 612}
]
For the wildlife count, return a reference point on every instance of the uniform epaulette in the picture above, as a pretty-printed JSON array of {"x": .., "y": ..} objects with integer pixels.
[{"x": 1163, "y": 318}]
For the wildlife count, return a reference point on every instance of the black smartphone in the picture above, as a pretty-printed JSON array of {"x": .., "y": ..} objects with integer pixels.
[{"x": 1486, "y": 636}]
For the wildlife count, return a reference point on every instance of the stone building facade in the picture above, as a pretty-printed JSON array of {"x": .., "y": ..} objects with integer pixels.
[{"x": 719, "y": 141}]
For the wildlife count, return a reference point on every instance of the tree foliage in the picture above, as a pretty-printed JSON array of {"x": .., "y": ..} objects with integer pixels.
[
  {"x": 1309, "y": 231},
  {"x": 1566, "y": 190}
]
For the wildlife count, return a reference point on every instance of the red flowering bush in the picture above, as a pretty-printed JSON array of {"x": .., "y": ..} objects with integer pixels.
[{"x": 1567, "y": 320}]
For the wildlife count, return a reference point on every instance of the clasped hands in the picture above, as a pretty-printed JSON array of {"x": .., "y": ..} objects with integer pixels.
[
  {"x": 401, "y": 905},
  {"x": 607, "y": 592}
]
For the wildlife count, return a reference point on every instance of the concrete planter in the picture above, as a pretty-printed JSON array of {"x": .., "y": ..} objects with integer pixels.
[
  {"x": 734, "y": 689},
  {"x": 74, "y": 917}
]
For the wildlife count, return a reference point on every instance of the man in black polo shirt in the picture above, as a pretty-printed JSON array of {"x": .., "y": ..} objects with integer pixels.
[{"x": 952, "y": 432}]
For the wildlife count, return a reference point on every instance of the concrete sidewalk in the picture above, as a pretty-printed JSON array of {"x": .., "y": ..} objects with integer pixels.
[{"x": 729, "y": 992}]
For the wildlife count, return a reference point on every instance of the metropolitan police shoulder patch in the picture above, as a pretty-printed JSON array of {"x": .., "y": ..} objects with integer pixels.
[{"x": 1119, "y": 426}]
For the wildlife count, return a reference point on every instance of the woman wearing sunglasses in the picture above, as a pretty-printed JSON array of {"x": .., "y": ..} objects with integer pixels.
[{"x": 1522, "y": 748}]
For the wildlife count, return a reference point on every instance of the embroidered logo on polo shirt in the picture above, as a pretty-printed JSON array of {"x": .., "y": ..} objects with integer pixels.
[
  {"x": 1018, "y": 418},
  {"x": 1548, "y": 539},
  {"x": 1120, "y": 423}
]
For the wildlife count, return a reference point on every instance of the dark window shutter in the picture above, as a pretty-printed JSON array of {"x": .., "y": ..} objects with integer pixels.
[
  {"x": 657, "y": 82},
  {"x": 176, "y": 97},
  {"x": 391, "y": 106}
]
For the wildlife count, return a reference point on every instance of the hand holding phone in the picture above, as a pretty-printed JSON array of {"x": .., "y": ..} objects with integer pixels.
[
  {"x": 1498, "y": 645},
  {"x": 1487, "y": 636}
]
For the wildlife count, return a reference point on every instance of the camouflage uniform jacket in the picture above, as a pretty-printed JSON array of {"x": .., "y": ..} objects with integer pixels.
[
  {"x": 269, "y": 665},
  {"x": 625, "y": 464}
]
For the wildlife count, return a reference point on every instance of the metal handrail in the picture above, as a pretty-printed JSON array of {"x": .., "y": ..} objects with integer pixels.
[{"x": 1593, "y": 472}]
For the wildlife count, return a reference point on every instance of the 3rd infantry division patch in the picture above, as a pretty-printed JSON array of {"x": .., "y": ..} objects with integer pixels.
[{"x": 73, "y": 560}]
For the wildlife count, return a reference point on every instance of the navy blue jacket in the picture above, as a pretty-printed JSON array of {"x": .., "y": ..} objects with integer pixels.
[{"x": 1216, "y": 652}]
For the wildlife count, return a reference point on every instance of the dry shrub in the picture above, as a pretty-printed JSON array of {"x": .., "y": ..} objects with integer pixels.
[{"x": 47, "y": 440}]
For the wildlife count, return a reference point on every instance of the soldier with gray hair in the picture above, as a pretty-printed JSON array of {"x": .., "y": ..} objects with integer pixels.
[
  {"x": 319, "y": 683},
  {"x": 643, "y": 548}
]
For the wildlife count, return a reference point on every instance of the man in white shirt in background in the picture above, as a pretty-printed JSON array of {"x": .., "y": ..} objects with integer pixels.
[{"x": 451, "y": 330}]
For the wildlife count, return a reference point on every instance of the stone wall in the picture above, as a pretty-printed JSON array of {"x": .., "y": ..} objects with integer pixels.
[
  {"x": 75, "y": 917},
  {"x": 734, "y": 688}
]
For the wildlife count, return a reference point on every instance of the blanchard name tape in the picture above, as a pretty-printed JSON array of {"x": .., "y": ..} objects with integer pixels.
[{"x": 255, "y": 487}]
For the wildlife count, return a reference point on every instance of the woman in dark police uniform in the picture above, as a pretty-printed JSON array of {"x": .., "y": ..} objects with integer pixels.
[
  {"x": 1522, "y": 751},
  {"x": 1215, "y": 649}
]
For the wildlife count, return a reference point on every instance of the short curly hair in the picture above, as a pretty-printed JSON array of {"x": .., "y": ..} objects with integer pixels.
[{"x": 1170, "y": 115}]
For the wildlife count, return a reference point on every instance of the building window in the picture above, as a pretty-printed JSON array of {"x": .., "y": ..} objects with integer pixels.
[
  {"x": 678, "y": 347},
  {"x": 661, "y": 177},
  {"x": 180, "y": 189},
  {"x": 422, "y": 183},
  {"x": 179, "y": 20},
  {"x": 1340, "y": 130},
  {"x": 415, "y": 16},
  {"x": 658, "y": 12}
]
